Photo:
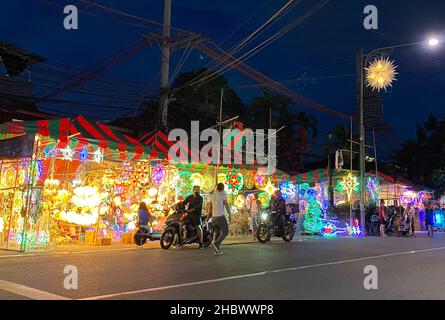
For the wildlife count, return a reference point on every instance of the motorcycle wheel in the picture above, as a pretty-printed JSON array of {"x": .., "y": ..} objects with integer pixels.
[
  {"x": 167, "y": 238},
  {"x": 289, "y": 232},
  {"x": 139, "y": 238},
  {"x": 262, "y": 234}
]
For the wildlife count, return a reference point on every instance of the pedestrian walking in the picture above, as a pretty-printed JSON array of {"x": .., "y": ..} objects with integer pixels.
[
  {"x": 382, "y": 218},
  {"x": 218, "y": 203},
  {"x": 429, "y": 219}
]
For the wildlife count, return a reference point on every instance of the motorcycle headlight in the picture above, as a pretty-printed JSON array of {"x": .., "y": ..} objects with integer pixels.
[{"x": 264, "y": 216}]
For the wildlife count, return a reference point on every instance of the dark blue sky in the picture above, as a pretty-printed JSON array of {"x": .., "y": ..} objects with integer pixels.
[{"x": 323, "y": 47}]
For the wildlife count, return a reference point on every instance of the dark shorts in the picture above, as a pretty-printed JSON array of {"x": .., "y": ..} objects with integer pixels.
[
  {"x": 382, "y": 222},
  {"x": 195, "y": 220}
]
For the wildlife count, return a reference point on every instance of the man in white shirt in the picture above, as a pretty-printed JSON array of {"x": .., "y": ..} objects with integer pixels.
[{"x": 218, "y": 202}]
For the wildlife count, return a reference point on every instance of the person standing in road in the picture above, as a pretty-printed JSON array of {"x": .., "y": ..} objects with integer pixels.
[
  {"x": 382, "y": 218},
  {"x": 410, "y": 212},
  {"x": 218, "y": 203},
  {"x": 254, "y": 212}
]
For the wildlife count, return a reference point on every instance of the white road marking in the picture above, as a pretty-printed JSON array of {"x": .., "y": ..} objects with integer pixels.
[
  {"x": 258, "y": 274},
  {"x": 28, "y": 292}
]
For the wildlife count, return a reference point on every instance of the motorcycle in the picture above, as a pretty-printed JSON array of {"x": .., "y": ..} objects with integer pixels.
[
  {"x": 269, "y": 227},
  {"x": 145, "y": 233},
  {"x": 179, "y": 231}
]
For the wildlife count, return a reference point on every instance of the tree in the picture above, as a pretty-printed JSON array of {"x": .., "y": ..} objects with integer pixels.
[{"x": 423, "y": 160}]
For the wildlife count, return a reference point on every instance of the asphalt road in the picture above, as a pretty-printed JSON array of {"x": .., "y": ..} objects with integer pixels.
[{"x": 408, "y": 268}]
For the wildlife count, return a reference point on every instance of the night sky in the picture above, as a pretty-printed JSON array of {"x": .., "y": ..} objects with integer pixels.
[{"x": 322, "y": 49}]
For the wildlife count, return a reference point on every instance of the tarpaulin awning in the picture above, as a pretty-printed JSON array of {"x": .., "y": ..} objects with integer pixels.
[
  {"x": 315, "y": 176},
  {"x": 82, "y": 131}
]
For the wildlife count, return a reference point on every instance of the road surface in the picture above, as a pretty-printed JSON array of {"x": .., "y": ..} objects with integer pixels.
[{"x": 408, "y": 268}]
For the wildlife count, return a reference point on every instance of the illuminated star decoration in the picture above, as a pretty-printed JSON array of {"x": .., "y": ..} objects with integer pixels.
[
  {"x": 349, "y": 184},
  {"x": 98, "y": 156},
  {"x": 380, "y": 74},
  {"x": 270, "y": 188},
  {"x": 67, "y": 153}
]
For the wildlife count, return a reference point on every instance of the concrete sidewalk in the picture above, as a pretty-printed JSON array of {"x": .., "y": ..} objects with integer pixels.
[{"x": 84, "y": 248}]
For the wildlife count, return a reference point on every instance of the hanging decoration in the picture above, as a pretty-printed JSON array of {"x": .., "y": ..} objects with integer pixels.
[
  {"x": 288, "y": 190},
  {"x": 234, "y": 181},
  {"x": 380, "y": 74},
  {"x": 240, "y": 201},
  {"x": 373, "y": 188},
  {"x": 98, "y": 156},
  {"x": 249, "y": 198},
  {"x": 350, "y": 185},
  {"x": 49, "y": 152},
  {"x": 83, "y": 154},
  {"x": 197, "y": 180},
  {"x": 260, "y": 181},
  {"x": 185, "y": 183},
  {"x": 208, "y": 183},
  {"x": 158, "y": 174},
  {"x": 270, "y": 189},
  {"x": 264, "y": 199},
  {"x": 67, "y": 153},
  {"x": 249, "y": 180}
]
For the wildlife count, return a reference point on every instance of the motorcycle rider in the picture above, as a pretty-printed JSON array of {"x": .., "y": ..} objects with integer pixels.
[
  {"x": 278, "y": 204},
  {"x": 195, "y": 202}
]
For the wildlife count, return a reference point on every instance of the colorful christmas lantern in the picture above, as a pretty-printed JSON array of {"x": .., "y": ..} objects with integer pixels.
[{"x": 234, "y": 181}]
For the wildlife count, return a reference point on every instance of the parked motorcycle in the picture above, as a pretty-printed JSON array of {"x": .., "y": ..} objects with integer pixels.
[
  {"x": 145, "y": 232},
  {"x": 270, "y": 227},
  {"x": 179, "y": 231}
]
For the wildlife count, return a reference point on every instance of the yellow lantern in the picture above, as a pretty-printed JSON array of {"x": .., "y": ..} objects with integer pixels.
[{"x": 209, "y": 183}]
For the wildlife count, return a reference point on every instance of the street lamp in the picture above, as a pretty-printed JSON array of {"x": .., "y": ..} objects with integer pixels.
[
  {"x": 433, "y": 42},
  {"x": 384, "y": 75}
]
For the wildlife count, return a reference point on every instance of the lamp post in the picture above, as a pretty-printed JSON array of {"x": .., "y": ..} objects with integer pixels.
[{"x": 364, "y": 62}]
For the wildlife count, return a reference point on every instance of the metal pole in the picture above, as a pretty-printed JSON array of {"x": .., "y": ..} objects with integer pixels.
[
  {"x": 165, "y": 63},
  {"x": 362, "y": 141},
  {"x": 220, "y": 134},
  {"x": 375, "y": 155}
]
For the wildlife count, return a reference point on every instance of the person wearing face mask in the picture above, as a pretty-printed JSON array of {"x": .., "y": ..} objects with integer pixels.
[{"x": 195, "y": 202}]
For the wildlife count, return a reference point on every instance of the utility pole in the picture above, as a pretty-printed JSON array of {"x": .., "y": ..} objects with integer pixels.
[
  {"x": 220, "y": 129},
  {"x": 165, "y": 63}
]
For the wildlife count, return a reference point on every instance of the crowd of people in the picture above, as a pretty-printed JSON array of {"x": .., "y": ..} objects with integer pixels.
[{"x": 400, "y": 220}]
